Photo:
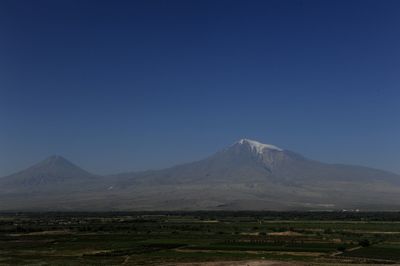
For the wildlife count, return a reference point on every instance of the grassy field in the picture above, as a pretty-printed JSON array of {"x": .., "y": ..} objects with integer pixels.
[{"x": 174, "y": 238}]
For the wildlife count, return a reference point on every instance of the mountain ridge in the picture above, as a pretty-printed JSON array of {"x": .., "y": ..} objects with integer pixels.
[{"x": 245, "y": 175}]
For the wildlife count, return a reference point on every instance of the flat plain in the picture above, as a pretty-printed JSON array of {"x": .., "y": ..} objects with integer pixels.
[{"x": 200, "y": 238}]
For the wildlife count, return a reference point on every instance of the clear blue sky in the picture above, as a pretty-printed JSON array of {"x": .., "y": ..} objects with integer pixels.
[{"x": 129, "y": 85}]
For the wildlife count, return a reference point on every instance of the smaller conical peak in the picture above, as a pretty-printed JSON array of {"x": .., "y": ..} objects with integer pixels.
[
  {"x": 258, "y": 146},
  {"x": 55, "y": 160},
  {"x": 58, "y": 164}
]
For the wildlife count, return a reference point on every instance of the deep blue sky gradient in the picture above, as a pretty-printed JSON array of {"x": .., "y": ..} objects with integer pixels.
[{"x": 131, "y": 85}]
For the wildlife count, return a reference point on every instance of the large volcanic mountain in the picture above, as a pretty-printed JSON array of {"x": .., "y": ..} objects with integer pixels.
[{"x": 248, "y": 175}]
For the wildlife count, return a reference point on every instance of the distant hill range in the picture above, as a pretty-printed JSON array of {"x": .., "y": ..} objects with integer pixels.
[{"x": 248, "y": 175}]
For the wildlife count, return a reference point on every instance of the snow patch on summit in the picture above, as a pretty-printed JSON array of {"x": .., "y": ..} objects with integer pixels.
[{"x": 258, "y": 146}]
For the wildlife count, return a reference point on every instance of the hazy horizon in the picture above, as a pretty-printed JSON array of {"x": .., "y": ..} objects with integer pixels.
[
  {"x": 128, "y": 86},
  {"x": 161, "y": 167}
]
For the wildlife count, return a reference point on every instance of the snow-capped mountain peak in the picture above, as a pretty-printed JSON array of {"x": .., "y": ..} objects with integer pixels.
[{"x": 258, "y": 146}]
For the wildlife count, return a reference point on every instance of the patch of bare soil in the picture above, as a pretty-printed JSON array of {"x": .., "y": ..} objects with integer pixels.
[
  {"x": 241, "y": 263},
  {"x": 287, "y": 233},
  {"x": 52, "y": 232}
]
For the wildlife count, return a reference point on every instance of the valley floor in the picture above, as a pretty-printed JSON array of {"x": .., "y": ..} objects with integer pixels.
[{"x": 200, "y": 238}]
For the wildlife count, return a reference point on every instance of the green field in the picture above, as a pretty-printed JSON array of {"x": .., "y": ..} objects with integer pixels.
[
  {"x": 173, "y": 238},
  {"x": 384, "y": 251}
]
